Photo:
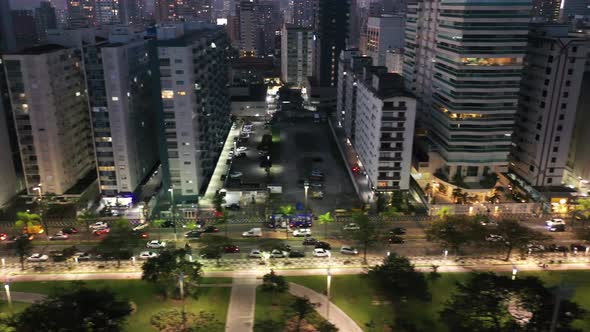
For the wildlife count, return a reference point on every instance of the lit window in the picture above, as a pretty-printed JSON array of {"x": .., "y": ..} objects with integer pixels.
[
  {"x": 77, "y": 93},
  {"x": 115, "y": 98},
  {"x": 181, "y": 93},
  {"x": 167, "y": 94},
  {"x": 104, "y": 139},
  {"x": 106, "y": 168}
]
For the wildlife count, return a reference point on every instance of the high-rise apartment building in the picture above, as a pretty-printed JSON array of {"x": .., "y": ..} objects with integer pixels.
[
  {"x": 303, "y": 13},
  {"x": 48, "y": 98},
  {"x": 384, "y": 33},
  {"x": 45, "y": 19},
  {"x": 7, "y": 39},
  {"x": 394, "y": 60},
  {"x": 384, "y": 133},
  {"x": 9, "y": 184},
  {"x": 550, "y": 88},
  {"x": 464, "y": 61},
  {"x": 351, "y": 70},
  {"x": 183, "y": 10},
  {"x": 546, "y": 10},
  {"x": 193, "y": 67},
  {"x": 108, "y": 12},
  {"x": 270, "y": 21},
  {"x": 331, "y": 26},
  {"x": 25, "y": 30},
  {"x": 571, "y": 8},
  {"x": 296, "y": 54},
  {"x": 123, "y": 110},
  {"x": 250, "y": 33},
  {"x": 80, "y": 13}
]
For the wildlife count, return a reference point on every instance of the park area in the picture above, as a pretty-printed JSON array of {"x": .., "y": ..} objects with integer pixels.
[
  {"x": 355, "y": 295},
  {"x": 211, "y": 303}
]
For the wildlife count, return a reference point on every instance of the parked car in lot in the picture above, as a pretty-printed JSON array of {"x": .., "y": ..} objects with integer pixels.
[
  {"x": 278, "y": 254},
  {"x": 156, "y": 244},
  {"x": 69, "y": 230},
  {"x": 296, "y": 254},
  {"x": 147, "y": 255},
  {"x": 397, "y": 231},
  {"x": 192, "y": 234},
  {"x": 323, "y": 245},
  {"x": 231, "y": 249},
  {"x": 348, "y": 251},
  {"x": 302, "y": 232},
  {"x": 58, "y": 236},
  {"x": 99, "y": 225},
  {"x": 395, "y": 240},
  {"x": 351, "y": 227},
  {"x": 254, "y": 232},
  {"x": 535, "y": 247},
  {"x": 320, "y": 252},
  {"x": 310, "y": 241},
  {"x": 255, "y": 253},
  {"x": 37, "y": 258},
  {"x": 235, "y": 175}
]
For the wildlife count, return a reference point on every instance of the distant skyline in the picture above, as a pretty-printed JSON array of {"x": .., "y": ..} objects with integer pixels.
[{"x": 22, "y": 4}]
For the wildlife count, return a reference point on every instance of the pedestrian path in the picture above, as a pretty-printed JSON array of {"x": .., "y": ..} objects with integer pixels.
[
  {"x": 326, "y": 309},
  {"x": 23, "y": 297},
  {"x": 242, "y": 303}
]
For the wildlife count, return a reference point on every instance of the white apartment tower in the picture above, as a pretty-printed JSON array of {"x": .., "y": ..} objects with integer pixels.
[
  {"x": 385, "y": 32},
  {"x": 48, "y": 98},
  {"x": 296, "y": 54},
  {"x": 550, "y": 89},
  {"x": 385, "y": 116},
  {"x": 464, "y": 62}
]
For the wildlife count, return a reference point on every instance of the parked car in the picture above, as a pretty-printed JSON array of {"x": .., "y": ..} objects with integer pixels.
[
  {"x": 395, "y": 240},
  {"x": 147, "y": 255},
  {"x": 397, "y": 231},
  {"x": 557, "y": 228},
  {"x": 83, "y": 256},
  {"x": 3, "y": 236},
  {"x": 254, "y": 232},
  {"x": 556, "y": 248},
  {"x": 59, "y": 236},
  {"x": 296, "y": 254},
  {"x": 101, "y": 231},
  {"x": 210, "y": 229},
  {"x": 348, "y": 251},
  {"x": 302, "y": 232},
  {"x": 141, "y": 226},
  {"x": 69, "y": 230},
  {"x": 231, "y": 249},
  {"x": 351, "y": 227},
  {"x": 255, "y": 253},
  {"x": 323, "y": 245},
  {"x": 278, "y": 254},
  {"x": 141, "y": 235},
  {"x": 554, "y": 221},
  {"x": 310, "y": 241},
  {"x": 494, "y": 238},
  {"x": 192, "y": 234},
  {"x": 534, "y": 247},
  {"x": 99, "y": 225},
  {"x": 37, "y": 258},
  {"x": 320, "y": 252},
  {"x": 283, "y": 247},
  {"x": 233, "y": 207},
  {"x": 235, "y": 175},
  {"x": 577, "y": 247},
  {"x": 156, "y": 244},
  {"x": 242, "y": 149}
]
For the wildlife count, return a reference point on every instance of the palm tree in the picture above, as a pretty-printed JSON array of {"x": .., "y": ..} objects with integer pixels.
[
  {"x": 218, "y": 202},
  {"x": 22, "y": 247},
  {"x": 302, "y": 306},
  {"x": 457, "y": 195},
  {"x": 582, "y": 210},
  {"x": 27, "y": 221},
  {"x": 325, "y": 219},
  {"x": 444, "y": 212}
]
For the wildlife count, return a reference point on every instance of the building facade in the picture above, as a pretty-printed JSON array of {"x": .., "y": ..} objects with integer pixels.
[
  {"x": 296, "y": 54},
  {"x": 465, "y": 66},
  {"x": 25, "y": 29},
  {"x": 48, "y": 99},
  {"x": 303, "y": 13},
  {"x": 196, "y": 112},
  {"x": 80, "y": 13},
  {"x": 550, "y": 89},
  {"x": 394, "y": 60},
  {"x": 183, "y": 10},
  {"x": 384, "y": 33},
  {"x": 45, "y": 19}
]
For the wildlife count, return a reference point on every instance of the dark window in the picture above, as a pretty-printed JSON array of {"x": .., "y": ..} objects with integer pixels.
[
  {"x": 574, "y": 49},
  {"x": 546, "y": 82},
  {"x": 402, "y": 104},
  {"x": 561, "y": 116},
  {"x": 547, "y": 70},
  {"x": 563, "y": 106},
  {"x": 570, "y": 71},
  {"x": 537, "y": 137},
  {"x": 550, "y": 180},
  {"x": 544, "y": 94},
  {"x": 542, "y": 104},
  {"x": 559, "y": 128},
  {"x": 555, "y": 149},
  {"x": 550, "y": 59},
  {"x": 566, "y": 94},
  {"x": 553, "y": 159},
  {"x": 551, "y": 170},
  {"x": 531, "y": 168},
  {"x": 568, "y": 83},
  {"x": 557, "y": 138},
  {"x": 572, "y": 60}
]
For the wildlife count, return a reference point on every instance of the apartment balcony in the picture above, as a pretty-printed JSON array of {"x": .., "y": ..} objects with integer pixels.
[
  {"x": 392, "y": 129},
  {"x": 390, "y": 158},
  {"x": 391, "y": 139},
  {"x": 388, "y": 168},
  {"x": 390, "y": 148},
  {"x": 388, "y": 178},
  {"x": 391, "y": 118}
]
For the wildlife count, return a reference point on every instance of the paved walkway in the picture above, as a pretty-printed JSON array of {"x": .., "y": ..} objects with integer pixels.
[
  {"x": 326, "y": 309},
  {"x": 242, "y": 303},
  {"x": 23, "y": 297}
]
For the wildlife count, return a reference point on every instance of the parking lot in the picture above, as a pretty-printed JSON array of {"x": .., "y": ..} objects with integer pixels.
[{"x": 249, "y": 164}]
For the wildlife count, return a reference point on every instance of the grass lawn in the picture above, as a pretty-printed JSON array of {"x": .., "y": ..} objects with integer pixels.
[
  {"x": 211, "y": 299},
  {"x": 354, "y": 295},
  {"x": 16, "y": 306},
  {"x": 276, "y": 307}
]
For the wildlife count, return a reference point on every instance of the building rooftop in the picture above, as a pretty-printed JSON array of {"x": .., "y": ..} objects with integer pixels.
[
  {"x": 257, "y": 92},
  {"x": 41, "y": 49}
]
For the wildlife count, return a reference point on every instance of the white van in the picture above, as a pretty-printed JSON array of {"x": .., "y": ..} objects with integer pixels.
[{"x": 254, "y": 232}]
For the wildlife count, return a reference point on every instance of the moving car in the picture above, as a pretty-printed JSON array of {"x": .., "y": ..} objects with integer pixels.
[
  {"x": 356, "y": 169},
  {"x": 578, "y": 247},
  {"x": 3, "y": 236},
  {"x": 557, "y": 228},
  {"x": 302, "y": 232},
  {"x": 255, "y": 253},
  {"x": 397, "y": 231},
  {"x": 554, "y": 221},
  {"x": 99, "y": 225},
  {"x": 58, "y": 236},
  {"x": 192, "y": 234},
  {"x": 140, "y": 226},
  {"x": 235, "y": 175},
  {"x": 351, "y": 227},
  {"x": 69, "y": 230},
  {"x": 254, "y": 232},
  {"x": 37, "y": 258},
  {"x": 278, "y": 254},
  {"x": 241, "y": 149},
  {"x": 231, "y": 249},
  {"x": 156, "y": 244},
  {"x": 233, "y": 207},
  {"x": 310, "y": 241},
  {"x": 210, "y": 229},
  {"x": 296, "y": 254},
  {"x": 323, "y": 245},
  {"x": 348, "y": 251},
  {"x": 101, "y": 231},
  {"x": 320, "y": 252},
  {"x": 494, "y": 238},
  {"x": 147, "y": 255},
  {"x": 395, "y": 240}
]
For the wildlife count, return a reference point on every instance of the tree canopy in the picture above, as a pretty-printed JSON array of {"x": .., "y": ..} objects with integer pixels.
[
  {"x": 455, "y": 232},
  {"x": 166, "y": 270}
]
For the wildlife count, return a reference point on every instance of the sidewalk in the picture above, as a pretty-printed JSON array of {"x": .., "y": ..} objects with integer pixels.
[
  {"x": 24, "y": 297},
  {"x": 242, "y": 303},
  {"x": 326, "y": 309}
]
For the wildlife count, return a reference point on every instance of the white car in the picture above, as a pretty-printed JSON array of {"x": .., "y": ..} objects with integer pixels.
[
  {"x": 141, "y": 226},
  {"x": 147, "y": 255},
  {"x": 230, "y": 154},
  {"x": 302, "y": 232},
  {"x": 494, "y": 238},
  {"x": 99, "y": 225},
  {"x": 319, "y": 252},
  {"x": 254, "y": 232},
  {"x": 235, "y": 175},
  {"x": 276, "y": 253},
  {"x": 59, "y": 236},
  {"x": 37, "y": 258},
  {"x": 351, "y": 227},
  {"x": 156, "y": 244},
  {"x": 349, "y": 251},
  {"x": 241, "y": 149},
  {"x": 255, "y": 253},
  {"x": 554, "y": 221}
]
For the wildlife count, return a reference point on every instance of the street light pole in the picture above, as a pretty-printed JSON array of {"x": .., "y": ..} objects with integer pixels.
[
  {"x": 8, "y": 297},
  {"x": 173, "y": 208},
  {"x": 329, "y": 283},
  {"x": 306, "y": 187},
  {"x": 39, "y": 190}
]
